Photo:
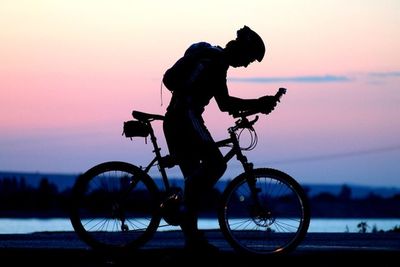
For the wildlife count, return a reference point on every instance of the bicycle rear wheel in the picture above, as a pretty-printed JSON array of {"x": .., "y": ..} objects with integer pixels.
[
  {"x": 114, "y": 206},
  {"x": 274, "y": 219}
]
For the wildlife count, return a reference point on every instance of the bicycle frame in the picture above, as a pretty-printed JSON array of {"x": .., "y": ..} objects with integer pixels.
[{"x": 168, "y": 161}]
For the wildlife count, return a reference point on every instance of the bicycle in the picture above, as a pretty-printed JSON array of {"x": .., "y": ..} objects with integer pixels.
[{"x": 118, "y": 206}]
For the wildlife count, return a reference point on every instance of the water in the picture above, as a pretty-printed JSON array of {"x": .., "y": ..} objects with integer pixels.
[{"x": 23, "y": 226}]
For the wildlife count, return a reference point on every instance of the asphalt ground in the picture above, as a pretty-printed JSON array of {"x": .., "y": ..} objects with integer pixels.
[{"x": 167, "y": 249}]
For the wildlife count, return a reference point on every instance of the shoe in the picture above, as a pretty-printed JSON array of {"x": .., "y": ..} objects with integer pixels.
[{"x": 171, "y": 207}]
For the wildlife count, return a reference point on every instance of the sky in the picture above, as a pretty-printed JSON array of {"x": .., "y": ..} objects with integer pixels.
[{"x": 72, "y": 71}]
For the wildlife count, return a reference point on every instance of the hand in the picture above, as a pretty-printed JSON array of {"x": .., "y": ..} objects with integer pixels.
[{"x": 267, "y": 104}]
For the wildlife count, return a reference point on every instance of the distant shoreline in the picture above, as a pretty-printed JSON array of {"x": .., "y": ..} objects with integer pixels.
[{"x": 65, "y": 181}]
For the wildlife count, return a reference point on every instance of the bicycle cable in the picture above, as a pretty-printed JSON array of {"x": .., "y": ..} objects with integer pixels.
[{"x": 253, "y": 139}]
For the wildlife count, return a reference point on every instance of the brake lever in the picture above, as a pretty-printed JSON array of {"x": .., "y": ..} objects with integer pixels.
[{"x": 252, "y": 122}]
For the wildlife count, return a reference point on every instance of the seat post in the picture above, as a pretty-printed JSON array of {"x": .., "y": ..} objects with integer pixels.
[{"x": 157, "y": 151}]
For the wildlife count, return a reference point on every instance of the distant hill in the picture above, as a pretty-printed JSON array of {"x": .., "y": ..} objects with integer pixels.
[{"x": 65, "y": 181}]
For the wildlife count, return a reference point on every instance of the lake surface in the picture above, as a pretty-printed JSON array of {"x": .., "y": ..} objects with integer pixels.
[{"x": 24, "y": 226}]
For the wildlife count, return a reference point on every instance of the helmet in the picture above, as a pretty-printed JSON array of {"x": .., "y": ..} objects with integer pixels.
[{"x": 253, "y": 41}]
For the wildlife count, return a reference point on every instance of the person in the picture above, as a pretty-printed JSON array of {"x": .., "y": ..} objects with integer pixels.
[{"x": 188, "y": 139}]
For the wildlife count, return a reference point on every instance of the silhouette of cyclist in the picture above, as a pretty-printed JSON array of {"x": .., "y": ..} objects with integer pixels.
[{"x": 188, "y": 138}]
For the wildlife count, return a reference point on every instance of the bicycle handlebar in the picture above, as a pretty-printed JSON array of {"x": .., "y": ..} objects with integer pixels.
[{"x": 244, "y": 123}]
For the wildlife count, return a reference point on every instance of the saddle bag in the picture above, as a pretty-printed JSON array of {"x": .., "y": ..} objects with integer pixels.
[{"x": 135, "y": 129}]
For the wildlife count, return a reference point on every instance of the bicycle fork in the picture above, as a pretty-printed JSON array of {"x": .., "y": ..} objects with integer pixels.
[
  {"x": 261, "y": 214},
  {"x": 251, "y": 179}
]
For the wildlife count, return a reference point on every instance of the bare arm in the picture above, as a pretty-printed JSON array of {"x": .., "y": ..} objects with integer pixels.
[{"x": 233, "y": 104}]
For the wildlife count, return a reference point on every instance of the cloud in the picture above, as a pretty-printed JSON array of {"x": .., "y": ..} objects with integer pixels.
[
  {"x": 319, "y": 78},
  {"x": 381, "y": 78},
  {"x": 297, "y": 79},
  {"x": 389, "y": 74}
]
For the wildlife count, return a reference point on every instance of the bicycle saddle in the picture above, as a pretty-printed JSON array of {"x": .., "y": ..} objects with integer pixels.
[{"x": 142, "y": 116}]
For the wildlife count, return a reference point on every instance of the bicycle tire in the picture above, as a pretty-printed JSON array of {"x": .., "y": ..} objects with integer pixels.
[
  {"x": 114, "y": 206},
  {"x": 277, "y": 227}
]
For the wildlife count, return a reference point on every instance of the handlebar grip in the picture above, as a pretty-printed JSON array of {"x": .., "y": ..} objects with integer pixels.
[{"x": 280, "y": 93}]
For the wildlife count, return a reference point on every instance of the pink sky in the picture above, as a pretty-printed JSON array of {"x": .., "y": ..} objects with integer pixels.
[{"x": 72, "y": 71}]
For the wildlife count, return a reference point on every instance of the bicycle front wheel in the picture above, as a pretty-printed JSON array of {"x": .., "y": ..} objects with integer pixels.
[
  {"x": 264, "y": 214},
  {"x": 114, "y": 206}
]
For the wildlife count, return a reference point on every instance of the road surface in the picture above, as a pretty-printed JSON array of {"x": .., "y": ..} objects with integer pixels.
[{"x": 166, "y": 249}]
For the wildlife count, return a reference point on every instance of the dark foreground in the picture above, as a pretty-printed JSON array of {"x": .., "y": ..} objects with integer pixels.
[{"x": 166, "y": 249}]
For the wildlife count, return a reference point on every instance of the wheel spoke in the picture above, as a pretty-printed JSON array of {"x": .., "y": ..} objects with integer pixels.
[
  {"x": 274, "y": 221},
  {"x": 115, "y": 206}
]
